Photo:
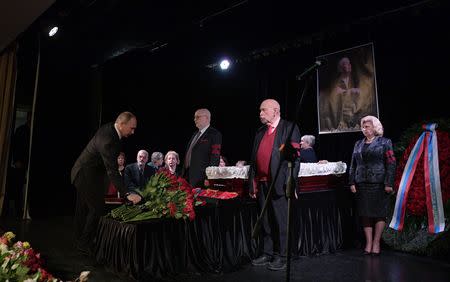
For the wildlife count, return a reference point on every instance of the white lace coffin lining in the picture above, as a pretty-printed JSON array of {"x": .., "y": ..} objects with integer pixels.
[{"x": 306, "y": 169}]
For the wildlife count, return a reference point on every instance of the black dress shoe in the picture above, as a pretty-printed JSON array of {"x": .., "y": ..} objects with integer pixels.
[
  {"x": 261, "y": 261},
  {"x": 277, "y": 264}
]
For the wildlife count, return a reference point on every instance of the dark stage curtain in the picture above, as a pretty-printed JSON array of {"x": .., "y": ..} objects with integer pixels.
[
  {"x": 8, "y": 71},
  {"x": 218, "y": 240}
]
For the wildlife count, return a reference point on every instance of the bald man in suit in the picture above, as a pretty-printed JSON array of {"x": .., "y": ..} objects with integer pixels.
[{"x": 266, "y": 158}]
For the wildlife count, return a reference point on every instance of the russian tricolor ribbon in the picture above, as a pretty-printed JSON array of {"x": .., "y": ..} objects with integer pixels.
[{"x": 426, "y": 144}]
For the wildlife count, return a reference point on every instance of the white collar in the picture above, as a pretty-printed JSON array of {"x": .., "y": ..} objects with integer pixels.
[{"x": 203, "y": 129}]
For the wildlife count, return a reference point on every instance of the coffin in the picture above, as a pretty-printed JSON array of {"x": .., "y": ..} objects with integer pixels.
[
  {"x": 319, "y": 183},
  {"x": 312, "y": 177},
  {"x": 228, "y": 178}
]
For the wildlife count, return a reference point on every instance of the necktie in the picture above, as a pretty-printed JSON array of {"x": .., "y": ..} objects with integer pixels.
[
  {"x": 187, "y": 160},
  {"x": 271, "y": 129},
  {"x": 141, "y": 176}
]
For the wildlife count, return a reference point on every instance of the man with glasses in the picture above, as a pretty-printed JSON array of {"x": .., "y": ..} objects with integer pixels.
[{"x": 203, "y": 149}]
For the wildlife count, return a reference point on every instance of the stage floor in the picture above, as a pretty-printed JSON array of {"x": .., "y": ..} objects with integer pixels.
[{"x": 52, "y": 237}]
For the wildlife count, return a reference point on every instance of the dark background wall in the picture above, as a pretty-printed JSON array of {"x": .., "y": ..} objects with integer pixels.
[{"x": 163, "y": 88}]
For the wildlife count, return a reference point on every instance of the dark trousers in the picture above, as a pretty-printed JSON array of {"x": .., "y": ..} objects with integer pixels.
[
  {"x": 273, "y": 222},
  {"x": 194, "y": 178},
  {"x": 90, "y": 207}
]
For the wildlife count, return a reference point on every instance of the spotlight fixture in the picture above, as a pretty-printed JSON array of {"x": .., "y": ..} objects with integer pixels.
[
  {"x": 53, "y": 31},
  {"x": 224, "y": 64}
]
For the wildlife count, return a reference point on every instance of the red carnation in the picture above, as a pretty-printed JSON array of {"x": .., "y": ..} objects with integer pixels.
[
  {"x": 172, "y": 208},
  {"x": 191, "y": 215},
  {"x": 416, "y": 203},
  {"x": 45, "y": 276}
]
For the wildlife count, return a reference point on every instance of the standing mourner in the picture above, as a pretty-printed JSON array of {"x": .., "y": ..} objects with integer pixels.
[{"x": 371, "y": 175}]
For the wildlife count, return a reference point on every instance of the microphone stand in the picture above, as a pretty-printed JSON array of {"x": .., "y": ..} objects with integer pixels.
[
  {"x": 290, "y": 189},
  {"x": 288, "y": 153}
]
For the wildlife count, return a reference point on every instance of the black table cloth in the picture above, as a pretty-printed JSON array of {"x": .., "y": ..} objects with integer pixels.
[{"x": 219, "y": 239}]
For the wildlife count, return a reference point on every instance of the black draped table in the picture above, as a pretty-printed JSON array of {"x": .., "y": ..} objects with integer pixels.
[
  {"x": 324, "y": 222},
  {"x": 219, "y": 239}
]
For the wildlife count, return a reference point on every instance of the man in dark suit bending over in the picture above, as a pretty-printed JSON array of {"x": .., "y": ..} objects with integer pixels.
[
  {"x": 265, "y": 160},
  {"x": 203, "y": 149},
  {"x": 98, "y": 160}
]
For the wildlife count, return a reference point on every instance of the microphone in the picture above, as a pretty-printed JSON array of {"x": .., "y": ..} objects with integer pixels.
[{"x": 317, "y": 64}]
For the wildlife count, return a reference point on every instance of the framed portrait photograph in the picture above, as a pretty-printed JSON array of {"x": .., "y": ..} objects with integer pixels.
[{"x": 346, "y": 89}]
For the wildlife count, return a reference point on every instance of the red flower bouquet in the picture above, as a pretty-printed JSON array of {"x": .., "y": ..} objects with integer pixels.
[
  {"x": 216, "y": 194},
  {"x": 165, "y": 195}
]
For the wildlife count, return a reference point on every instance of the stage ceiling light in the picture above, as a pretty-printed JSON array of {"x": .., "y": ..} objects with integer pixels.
[
  {"x": 53, "y": 31},
  {"x": 224, "y": 64}
]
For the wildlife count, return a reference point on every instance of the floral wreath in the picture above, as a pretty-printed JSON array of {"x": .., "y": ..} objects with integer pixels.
[{"x": 414, "y": 238}]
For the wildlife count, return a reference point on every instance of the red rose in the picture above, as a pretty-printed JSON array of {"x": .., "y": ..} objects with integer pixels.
[
  {"x": 191, "y": 215},
  {"x": 172, "y": 208},
  {"x": 416, "y": 202}
]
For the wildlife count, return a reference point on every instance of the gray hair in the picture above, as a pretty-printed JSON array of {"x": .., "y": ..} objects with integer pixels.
[
  {"x": 205, "y": 112},
  {"x": 377, "y": 126},
  {"x": 156, "y": 156},
  {"x": 310, "y": 139},
  {"x": 143, "y": 151},
  {"x": 172, "y": 153}
]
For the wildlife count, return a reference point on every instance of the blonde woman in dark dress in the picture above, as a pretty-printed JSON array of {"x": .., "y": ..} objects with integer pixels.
[{"x": 371, "y": 178}]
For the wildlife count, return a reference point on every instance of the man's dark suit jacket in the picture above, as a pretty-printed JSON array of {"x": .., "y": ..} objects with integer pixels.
[
  {"x": 282, "y": 132},
  {"x": 206, "y": 152},
  {"x": 133, "y": 179},
  {"x": 99, "y": 159}
]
